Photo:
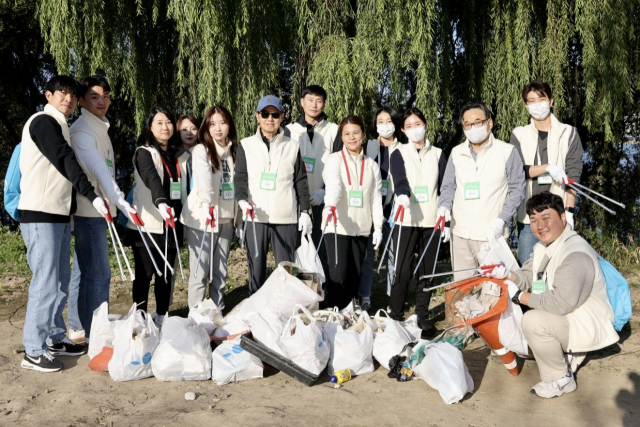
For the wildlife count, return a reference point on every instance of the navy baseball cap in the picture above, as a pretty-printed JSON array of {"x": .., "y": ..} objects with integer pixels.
[{"x": 265, "y": 101}]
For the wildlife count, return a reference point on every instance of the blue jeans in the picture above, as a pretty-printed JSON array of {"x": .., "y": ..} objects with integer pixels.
[
  {"x": 48, "y": 252},
  {"x": 526, "y": 241},
  {"x": 366, "y": 278},
  {"x": 91, "y": 275}
]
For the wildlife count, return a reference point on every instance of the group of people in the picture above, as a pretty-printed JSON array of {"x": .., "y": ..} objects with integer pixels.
[{"x": 312, "y": 179}]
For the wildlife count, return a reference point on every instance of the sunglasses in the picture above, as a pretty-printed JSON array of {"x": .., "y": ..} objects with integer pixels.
[{"x": 265, "y": 114}]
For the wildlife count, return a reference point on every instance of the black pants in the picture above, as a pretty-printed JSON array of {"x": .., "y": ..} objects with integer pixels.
[
  {"x": 145, "y": 271},
  {"x": 343, "y": 280},
  {"x": 316, "y": 234},
  {"x": 284, "y": 240},
  {"x": 412, "y": 241}
]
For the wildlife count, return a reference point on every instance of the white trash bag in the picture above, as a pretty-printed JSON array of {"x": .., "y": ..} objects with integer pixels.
[
  {"x": 391, "y": 341},
  {"x": 496, "y": 251},
  {"x": 135, "y": 341},
  {"x": 352, "y": 348},
  {"x": 444, "y": 370},
  {"x": 510, "y": 328},
  {"x": 266, "y": 329},
  {"x": 230, "y": 363},
  {"x": 411, "y": 325},
  {"x": 306, "y": 258},
  {"x": 184, "y": 351},
  {"x": 305, "y": 344},
  {"x": 207, "y": 314},
  {"x": 102, "y": 325}
]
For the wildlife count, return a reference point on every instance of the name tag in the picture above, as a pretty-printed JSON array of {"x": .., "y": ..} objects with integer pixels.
[
  {"x": 538, "y": 286},
  {"x": 385, "y": 188},
  {"x": 228, "y": 191},
  {"x": 472, "y": 191},
  {"x": 110, "y": 167},
  {"x": 545, "y": 179},
  {"x": 421, "y": 193},
  {"x": 355, "y": 198},
  {"x": 268, "y": 181},
  {"x": 309, "y": 164},
  {"x": 175, "y": 190}
]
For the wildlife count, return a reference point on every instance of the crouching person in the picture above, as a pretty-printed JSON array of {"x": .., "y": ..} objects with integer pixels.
[{"x": 563, "y": 285}]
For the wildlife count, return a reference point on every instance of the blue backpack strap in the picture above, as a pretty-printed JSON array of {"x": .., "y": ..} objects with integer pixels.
[
  {"x": 12, "y": 185},
  {"x": 618, "y": 293}
]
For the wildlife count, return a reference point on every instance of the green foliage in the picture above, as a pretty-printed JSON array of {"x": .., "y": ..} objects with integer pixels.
[{"x": 13, "y": 253}]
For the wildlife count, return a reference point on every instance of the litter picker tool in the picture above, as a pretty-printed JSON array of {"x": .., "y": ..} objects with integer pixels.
[
  {"x": 571, "y": 183},
  {"x": 140, "y": 226},
  {"x": 171, "y": 222},
  {"x": 206, "y": 225},
  {"x": 483, "y": 269},
  {"x": 324, "y": 229},
  {"x": 112, "y": 230},
  {"x": 386, "y": 246},
  {"x": 401, "y": 212},
  {"x": 252, "y": 214},
  {"x": 439, "y": 225},
  {"x": 441, "y": 229}
]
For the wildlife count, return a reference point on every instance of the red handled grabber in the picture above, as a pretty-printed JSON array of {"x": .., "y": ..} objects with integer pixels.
[
  {"x": 439, "y": 226},
  {"x": 140, "y": 226},
  {"x": 210, "y": 222},
  {"x": 110, "y": 226},
  {"x": 574, "y": 185},
  {"x": 252, "y": 214},
  {"x": 483, "y": 270},
  {"x": 332, "y": 215},
  {"x": 171, "y": 222},
  {"x": 386, "y": 246}
]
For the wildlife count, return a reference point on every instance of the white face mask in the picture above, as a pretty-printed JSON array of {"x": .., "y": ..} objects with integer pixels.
[
  {"x": 476, "y": 135},
  {"x": 416, "y": 134},
  {"x": 540, "y": 110},
  {"x": 385, "y": 131}
]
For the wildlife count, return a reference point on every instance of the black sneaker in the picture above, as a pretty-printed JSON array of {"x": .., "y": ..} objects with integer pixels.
[
  {"x": 366, "y": 306},
  {"x": 428, "y": 330},
  {"x": 66, "y": 347},
  {"x": 43, "y": 363}
]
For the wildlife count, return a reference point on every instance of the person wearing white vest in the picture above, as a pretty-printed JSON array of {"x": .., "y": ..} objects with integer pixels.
[
  {"x": 353, "y": 192},
  {"x": 417, "y": 170},
  {"x": 551, "y": 152},
  {"x": 564, "y": 286},
  {"x": 384, "y": 129},
  {"x": 51, "y": 176},
  {"x": 213, "y": 161},
  {"x": 91, "y": 275},
  {"x": 316, "y": 135},
  {"x": 159, "y": 172},
  {"x": 271, "y": 185},
  {"x": 482, "y": 188}
]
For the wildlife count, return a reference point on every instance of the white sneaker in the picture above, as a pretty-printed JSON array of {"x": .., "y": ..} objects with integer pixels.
[
  {"x": 556, "y": 388},
  {"x": 574, "y": 360},
  {"x": 76, "y": 335}
]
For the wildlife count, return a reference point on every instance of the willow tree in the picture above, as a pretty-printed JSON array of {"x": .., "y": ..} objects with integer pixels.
[{"x": 433, "y": 54}]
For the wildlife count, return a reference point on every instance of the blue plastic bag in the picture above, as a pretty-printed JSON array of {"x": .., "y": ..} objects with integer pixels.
[{"x": 618, "y": 293}]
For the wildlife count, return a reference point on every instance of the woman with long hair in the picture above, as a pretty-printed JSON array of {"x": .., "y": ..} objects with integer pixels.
[
  {"x": 160, "y": 191},
  {"x": 213, "y": 169}
]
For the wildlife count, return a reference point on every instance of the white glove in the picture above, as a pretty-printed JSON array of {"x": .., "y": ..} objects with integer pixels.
[
  {"x": 317, "y": 197},
  {"x": 569, "y": 217},
  {"x": 377, "y": 238},
  {"x": 239, "y": 233},
  {"x": 326, "y": 211},
  {"x": 163, "y": 208},
  {"x": 496, "y": 273},
  {"x": 99, "y": 205},
  {"x": 446, "y": 235},
  {"x": 557, "y": 174},
  {"x": 304, "y": 224},
  {"x": 513, "y": 289},
  {"x": 125, "y": 207},
  {"x": 245, "y": 206},
  {"x": 404, "y": 201},
  {"x": 206, "y": 208},
  {"x": 495, "y": 228}
]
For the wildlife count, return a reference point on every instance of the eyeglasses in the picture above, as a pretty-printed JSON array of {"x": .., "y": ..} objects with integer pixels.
[
  {"x": 477, "y": 124},
  {"x": 265, "y": 114}
]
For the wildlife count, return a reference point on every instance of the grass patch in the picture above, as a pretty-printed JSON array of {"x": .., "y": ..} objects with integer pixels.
[{"x": 13, "y": 253}]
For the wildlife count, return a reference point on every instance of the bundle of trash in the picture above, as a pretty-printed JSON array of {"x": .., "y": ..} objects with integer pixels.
[{"x": 479, "y": 300}]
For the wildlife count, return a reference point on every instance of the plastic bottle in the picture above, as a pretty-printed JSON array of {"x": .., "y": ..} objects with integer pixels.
[{"x": 340, "y": 377}]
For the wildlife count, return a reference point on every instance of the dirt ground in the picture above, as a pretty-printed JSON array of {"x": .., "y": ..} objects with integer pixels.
[{"x": 608, "y": 391}]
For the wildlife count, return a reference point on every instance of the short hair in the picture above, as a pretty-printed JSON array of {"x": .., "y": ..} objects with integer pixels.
[
  {"x": 147, "y": 136},
  {"x": 394, "y": 118},
  {"x": 63, "y": 84},
  {"x": 539, "y": 87},
  {"x": 411, "y": 112},
  {"x": 472, "y": 106},
  {"x": 86, "y": 83},
  {"x": 351, "y": 120},
  {"x": 193, "y": 119},
  {"x": 314, "y": 90},
  {"x": 545, "y": 200}
]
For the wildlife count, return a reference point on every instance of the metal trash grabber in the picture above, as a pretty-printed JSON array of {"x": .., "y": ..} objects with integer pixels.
[
  {"x": 124, "y": 255},
  {"x": 324, "y": 229},
  {"x": 482, "y": 268},
  {"x": 574, "y": 185},
  {"x": 401, "y": 212},
  {"x": 386, "y": 246},
  {"x": 140, "y": 225},
  {"x": 206, "y": 225},
  {"x": 252, "y": 215},
  {"x": 109, "y": 220},
  {"x": 439, "y": 224},
  {"x": 172, "y": 223},
  {"x": 441, "y": 228}
]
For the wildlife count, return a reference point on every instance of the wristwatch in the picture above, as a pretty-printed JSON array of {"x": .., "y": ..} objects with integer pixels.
[
  {"x": 516, "y": 297},
  {"x": 570, "y": 209}
]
